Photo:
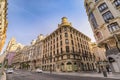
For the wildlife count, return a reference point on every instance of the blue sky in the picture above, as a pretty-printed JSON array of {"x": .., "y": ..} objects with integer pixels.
[{"x": 29, "y": 18}]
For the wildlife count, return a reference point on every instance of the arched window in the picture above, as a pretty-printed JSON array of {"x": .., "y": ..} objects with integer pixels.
[{"x": 99, "y": 35}]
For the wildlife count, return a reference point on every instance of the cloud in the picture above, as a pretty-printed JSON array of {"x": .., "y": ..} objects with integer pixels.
[{"x": 28, "y": 19}]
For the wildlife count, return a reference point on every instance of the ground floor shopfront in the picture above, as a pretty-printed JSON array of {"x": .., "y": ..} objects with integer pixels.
[
  {"x": 60, "y": 66},
  {"x": 69, "y": 66}
]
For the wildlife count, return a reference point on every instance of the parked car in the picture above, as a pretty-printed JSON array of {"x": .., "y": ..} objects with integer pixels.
[
  {"x": 39, "y": 70},
  {"x": 10, "y": 70}
]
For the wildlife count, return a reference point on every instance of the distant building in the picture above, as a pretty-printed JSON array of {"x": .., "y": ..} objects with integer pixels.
[
  {"x": 101, "y": 59},
  {"x": 98, "y": 52},
  {"x": 65, "y": 49},
  {"x": 104, "y": 17},
  {"x": 10, "y": 51},
  {"x": 3, "y": 22}
]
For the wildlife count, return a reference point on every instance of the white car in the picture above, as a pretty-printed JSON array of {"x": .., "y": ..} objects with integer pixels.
[
  {"x": 39, "y": 71},
  {"x": 10, "y": 70}
]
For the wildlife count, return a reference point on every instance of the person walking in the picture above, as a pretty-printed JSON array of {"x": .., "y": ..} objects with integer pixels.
[
  {"x": 108, "y": 69},
  {"x": 104, "y": 72}
]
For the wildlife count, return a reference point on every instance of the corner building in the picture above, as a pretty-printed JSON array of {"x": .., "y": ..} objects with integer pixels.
[
  {"x": 66, "y": 49},
  {"x": 104, "y": 17}
]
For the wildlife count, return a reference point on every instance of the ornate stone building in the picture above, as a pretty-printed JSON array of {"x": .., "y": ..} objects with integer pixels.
[
  {"x": 65, "y": 49},
  {"x": 11, "y": 50},
  {"x": 104, "y": 17},
  {"x": 3, "y": 22}
]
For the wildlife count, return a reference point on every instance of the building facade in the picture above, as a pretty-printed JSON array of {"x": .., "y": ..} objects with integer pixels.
[
  {"x": 65, "y": 49},
  {"x": 104, "y": 17},
  {"x": 3, "y": 22},
  {"x": 11, "y": 50}
]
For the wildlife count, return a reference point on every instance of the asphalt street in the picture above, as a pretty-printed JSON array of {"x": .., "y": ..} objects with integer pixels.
[{"x": 26, "y": 75}]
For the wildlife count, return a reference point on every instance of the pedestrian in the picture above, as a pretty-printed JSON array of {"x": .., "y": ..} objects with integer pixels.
[
  {"x": 50, "y": 70},
  {"x": 108, "y": 69},
  {"x": 104, "y": 72}
]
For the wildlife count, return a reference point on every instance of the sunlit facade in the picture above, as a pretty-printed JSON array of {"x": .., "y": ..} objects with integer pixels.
[
  {"x": 3, "y": 22},
  {"x": 67, "y": 49},
  {"x": 101, "y": 60},
  {"x": 104, "y": 17}
]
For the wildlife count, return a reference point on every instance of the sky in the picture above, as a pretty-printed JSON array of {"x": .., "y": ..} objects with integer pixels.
[{"x": 29, "y": 18}]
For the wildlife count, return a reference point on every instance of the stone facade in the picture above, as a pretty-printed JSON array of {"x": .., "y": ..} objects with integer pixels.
[
  {"x": 104, "y": 17},
  {"x": 11, "y": 48},
  {"x": 3, "y": 22}
]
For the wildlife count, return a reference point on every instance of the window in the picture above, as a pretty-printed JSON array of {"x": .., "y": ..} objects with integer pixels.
[
  {"x": 65, "y": 28},
  {"x": 88, "y": 8},
  {"x": 51, "y": 42},
  {"x": 57, "y": 39},
  {"x": 66, "y": 41},
  {"x": 106, "y": 46},
  {"x": 57, "y": 44},
  {"x": 61, "y": 57},
  {"x": 54, "y": 52},
  {"x": 60, "y": 31},
  {"x": 67, "y": 48},
  {"x": 102, "y": 7},
  {"x": 71, "y": 35},
  {"x": 117, "y": 3},
  {"x": 73, "y": 49},
  {"x": 61, "y": 50},
  {"x": 93, "y": 20},
  {"x": 74, "y": 56},
  {"x": 60, "y": 36},
  {"x": 99, "y": 35},
  {"x": 54, "y": 40},
  {"x": 107, "y": 16},
  {"x": 78, "y": 45},
  {"x": 54, "y": 59},
  {"x": 66, "y": 35},
  {"x": 113, "y": 27},
  {"x": 57, "y": 51},
  {"x": 96, "y": 0},
  {"x": 72, "y": 42},
  {"x": 61, "y": 43}
]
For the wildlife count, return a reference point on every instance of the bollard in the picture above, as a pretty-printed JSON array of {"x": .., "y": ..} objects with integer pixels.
[{"x": 105, "y": 73}]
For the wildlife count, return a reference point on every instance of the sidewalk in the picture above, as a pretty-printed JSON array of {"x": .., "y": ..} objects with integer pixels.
[
  {"x": 93, "y": 74},
  {"x": 3, "y": 76}
]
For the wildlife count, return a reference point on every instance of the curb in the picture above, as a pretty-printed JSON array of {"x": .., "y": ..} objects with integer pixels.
[
  {"x": 3, "y": 77},
  {"x": 79, "y": 74}
]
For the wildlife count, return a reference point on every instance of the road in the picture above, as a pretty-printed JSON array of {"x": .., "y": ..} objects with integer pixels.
[{"x": 26, "y": 75}]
